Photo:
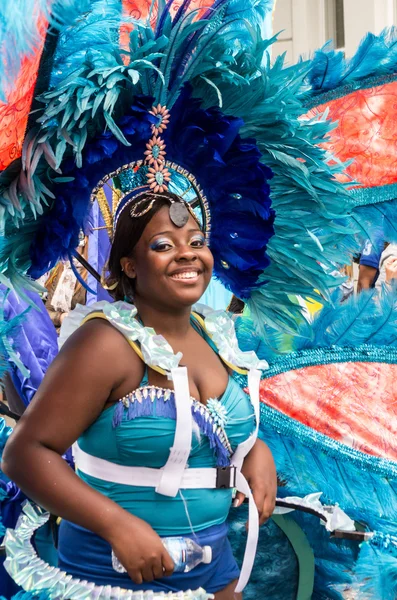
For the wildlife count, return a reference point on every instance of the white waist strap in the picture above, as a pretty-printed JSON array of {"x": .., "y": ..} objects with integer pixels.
[{"x": 146, "y": 477}]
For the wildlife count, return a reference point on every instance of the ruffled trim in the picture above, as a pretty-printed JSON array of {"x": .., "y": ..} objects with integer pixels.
[
  {"x": 220, "y": 326},
  {"x": 74, "y": 319},
  {"x": 151, "y": 400},
  {"x": 156, "y": 351},
  {"x": 35, "y": 575}
]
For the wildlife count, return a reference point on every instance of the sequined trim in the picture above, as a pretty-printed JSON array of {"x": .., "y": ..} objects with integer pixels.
[
  {"x": 323, "y": 98},
  {"x": 140, "y": 403},
  {"x": 373, "y": 195},
  {"x": 34, "y": 574},
  {"x": 324, "y": 356},
  {"x": 319, "y": 442}
]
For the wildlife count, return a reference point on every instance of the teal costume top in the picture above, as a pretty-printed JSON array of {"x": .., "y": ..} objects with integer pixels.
[{"x": 139, "y": 431}]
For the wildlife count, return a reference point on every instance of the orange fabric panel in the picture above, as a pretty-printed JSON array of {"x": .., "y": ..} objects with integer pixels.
[
  {"x": 14, "y": 113},
  {"x": 366, "y": 132},
  {"x": 353, "y": 403}
]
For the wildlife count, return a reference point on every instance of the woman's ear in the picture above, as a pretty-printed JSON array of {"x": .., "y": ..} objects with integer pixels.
[{"x": 128, "y": 267}]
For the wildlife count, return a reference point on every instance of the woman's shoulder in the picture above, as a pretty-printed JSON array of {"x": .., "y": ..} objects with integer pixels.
[{"x": 88, "y": 332}]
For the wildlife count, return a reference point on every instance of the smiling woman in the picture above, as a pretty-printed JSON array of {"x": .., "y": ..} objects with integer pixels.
[{"x": 153, "y": 458}]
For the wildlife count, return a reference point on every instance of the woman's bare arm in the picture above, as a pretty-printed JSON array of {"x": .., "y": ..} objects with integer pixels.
[{"x": 90, "y": 367}]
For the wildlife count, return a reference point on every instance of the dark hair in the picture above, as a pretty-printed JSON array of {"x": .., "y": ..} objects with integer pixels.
[
  {"x": 236, "y": 305},
  {"x": 128, "y": 233}
]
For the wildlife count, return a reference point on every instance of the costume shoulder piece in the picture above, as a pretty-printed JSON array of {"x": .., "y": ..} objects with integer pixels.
[{"x": 154, "y": 349}]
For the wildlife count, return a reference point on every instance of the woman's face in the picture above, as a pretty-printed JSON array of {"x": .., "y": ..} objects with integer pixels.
[{"x": 171, "y": 265}]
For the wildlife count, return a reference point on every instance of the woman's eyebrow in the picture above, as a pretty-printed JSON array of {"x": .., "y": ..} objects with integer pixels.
[
  {"x": 160, "y": 233},
  {"x": 171, "y": 232}
]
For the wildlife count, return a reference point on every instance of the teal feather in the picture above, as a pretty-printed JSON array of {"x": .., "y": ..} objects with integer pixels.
[
  {"x": 377, "y": 217},
  {"x": 376, "y": 569},
  {"x": 331, "y": 75}
]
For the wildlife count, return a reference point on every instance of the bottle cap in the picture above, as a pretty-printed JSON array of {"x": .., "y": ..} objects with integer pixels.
[{"x": 207, "y": 554}]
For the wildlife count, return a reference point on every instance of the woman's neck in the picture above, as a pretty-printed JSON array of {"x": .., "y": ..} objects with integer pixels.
[{"x": 163, "y": 320}]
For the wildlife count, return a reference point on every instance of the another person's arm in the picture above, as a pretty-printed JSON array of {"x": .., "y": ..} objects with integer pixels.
[
  {"x": 391, "y": 270},
  {"x": 74, "y": 392},
  {"x": 369, "y": 263},
  {"x": 366, "y": 277}
]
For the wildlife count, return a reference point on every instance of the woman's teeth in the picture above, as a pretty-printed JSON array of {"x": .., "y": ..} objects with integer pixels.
[{"x": 186, "y": 275}]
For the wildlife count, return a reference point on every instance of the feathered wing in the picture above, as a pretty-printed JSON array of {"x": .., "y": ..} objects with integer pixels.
[
  {"x": 328, "y": 415},
  {"x": 359, "y": 95}
]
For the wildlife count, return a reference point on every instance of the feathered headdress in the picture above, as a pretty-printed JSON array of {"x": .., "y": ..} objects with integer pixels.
[{"x": 232, "y": 144}]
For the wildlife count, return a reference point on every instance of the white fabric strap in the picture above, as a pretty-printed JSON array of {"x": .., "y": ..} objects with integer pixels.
[
  {"x": 253, "y": 533},
  {"x": 254, "y": 379},
  {"x": 174, "y": 468},
  {"x": 174, "y": 475},
  {"x": 99, "y": 468}
]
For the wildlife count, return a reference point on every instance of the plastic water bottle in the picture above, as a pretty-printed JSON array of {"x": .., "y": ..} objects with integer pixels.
[{"x": 185, "y": 553}]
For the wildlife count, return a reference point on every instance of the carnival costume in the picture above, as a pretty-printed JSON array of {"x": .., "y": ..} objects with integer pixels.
[{"x": 184, "y": 99}]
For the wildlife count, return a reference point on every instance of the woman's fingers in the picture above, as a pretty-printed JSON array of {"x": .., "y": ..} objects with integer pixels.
[
  {"x": 267, "y": 509},
  {"x": 167, "y": 565},
  {"x": 239, "y": 499},
  {"x": 135, "y": 575}
]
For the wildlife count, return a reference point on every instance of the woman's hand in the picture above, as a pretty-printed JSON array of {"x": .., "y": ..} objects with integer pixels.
[
  {"x": 260, "y": 472},
  {"x": 140, "y": 550}
]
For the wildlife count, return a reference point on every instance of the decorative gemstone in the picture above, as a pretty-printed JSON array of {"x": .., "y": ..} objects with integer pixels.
[
  {"x": 234, "y": 236},
  {"x": 138, "y": 395},
  {"x": 156, "y": 151},
  {"x": 217, "y": 411},
  {"x": 159, "y": 177},
  {"x": 167, "y": 395},
  {"x": 225, "y": 265},
  {"x": 152, "y": 394},
  {"x": 236, "y": 196},
  {"x": 145, "y": 392}
]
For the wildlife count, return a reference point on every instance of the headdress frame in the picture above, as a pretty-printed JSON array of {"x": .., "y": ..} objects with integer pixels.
[{"x": 182, "y": 184}]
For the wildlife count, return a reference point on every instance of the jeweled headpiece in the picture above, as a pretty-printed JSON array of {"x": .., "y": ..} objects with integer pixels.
[{"x": 139, "y": 184}]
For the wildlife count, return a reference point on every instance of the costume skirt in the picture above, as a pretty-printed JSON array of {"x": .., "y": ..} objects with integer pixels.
[{"x": 88, "y": 557}]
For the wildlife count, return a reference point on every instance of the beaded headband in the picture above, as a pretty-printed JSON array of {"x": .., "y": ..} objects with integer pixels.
[{"x": 152, "y": 176}]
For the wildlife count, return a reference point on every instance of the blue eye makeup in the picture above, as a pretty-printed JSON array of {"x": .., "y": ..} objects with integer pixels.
[
  {"x": 161, "y": 244},
  {"x": 197, "y": 240}
]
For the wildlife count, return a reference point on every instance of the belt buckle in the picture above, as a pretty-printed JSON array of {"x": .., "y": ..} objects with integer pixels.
[{"x": 225, "y": 477}]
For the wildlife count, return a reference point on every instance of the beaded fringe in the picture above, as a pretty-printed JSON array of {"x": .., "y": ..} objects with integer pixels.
[{"x": 151, "y": 401}]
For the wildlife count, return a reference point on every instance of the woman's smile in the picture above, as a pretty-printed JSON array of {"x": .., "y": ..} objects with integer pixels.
[{"x": 189, "y": 275}]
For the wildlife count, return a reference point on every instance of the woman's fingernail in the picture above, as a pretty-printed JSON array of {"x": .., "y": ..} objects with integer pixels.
[{"x": 236, "y": 502}]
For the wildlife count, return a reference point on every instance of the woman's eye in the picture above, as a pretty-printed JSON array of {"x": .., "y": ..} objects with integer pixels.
[
  {"x": 198, "y": 242},
  {"x": 161, "y": 246}
]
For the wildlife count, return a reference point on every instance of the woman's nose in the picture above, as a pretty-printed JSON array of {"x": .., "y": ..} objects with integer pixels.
[{"x": 187, "y": 253}]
